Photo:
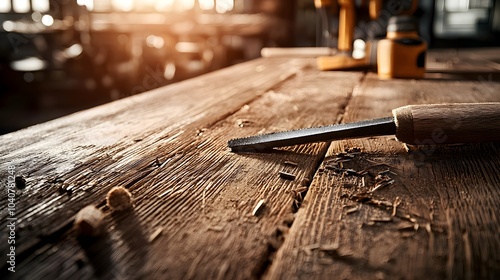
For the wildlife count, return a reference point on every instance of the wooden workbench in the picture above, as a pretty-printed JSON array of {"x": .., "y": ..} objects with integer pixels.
[{"x": 438, "y": 219}]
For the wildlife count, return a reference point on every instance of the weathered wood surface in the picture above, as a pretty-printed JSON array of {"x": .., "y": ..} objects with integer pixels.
[
  {"x": 169, "y": 148},
  {"x": 194, "y": 198},
  {"x": 437, "y": 220}
]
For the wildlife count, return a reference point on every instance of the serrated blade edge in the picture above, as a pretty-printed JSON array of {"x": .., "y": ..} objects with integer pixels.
[{"x": 257, "y": 143}]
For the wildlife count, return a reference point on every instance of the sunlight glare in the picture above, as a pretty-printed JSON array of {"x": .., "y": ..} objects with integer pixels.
[
  {"x": 222, "y": 6},
  {"x": 207, "y": 4},
  {"x": 5, "y": 6},
  {"x": 21, "y": 6},
  {"x": 164, "y": 5},
  {"x": 41, "y": 6},
  {"x": 88, "y": 3},
  {"x": 187, "y": 4},
  {"x": 123, "y": 5}
]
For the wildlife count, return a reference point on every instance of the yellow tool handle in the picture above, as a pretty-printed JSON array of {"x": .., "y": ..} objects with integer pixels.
[
  {"x": 347, "y": 23},
  {"x": 341, "y": 62},
  {"x": 448, "y": 123},
  {"x": 374, "y": 8}
]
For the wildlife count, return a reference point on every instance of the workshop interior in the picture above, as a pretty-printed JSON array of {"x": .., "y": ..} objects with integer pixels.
[{"x": 58, "y": 57}]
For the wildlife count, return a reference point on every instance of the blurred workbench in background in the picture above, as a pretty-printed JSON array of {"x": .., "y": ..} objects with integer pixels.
[{"x": 437, "y": 218}]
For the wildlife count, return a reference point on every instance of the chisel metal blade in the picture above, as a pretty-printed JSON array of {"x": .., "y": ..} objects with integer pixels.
[{"x": 258, "y": 143}]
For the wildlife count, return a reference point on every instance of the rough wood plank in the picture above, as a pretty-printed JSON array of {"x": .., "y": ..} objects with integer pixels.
[
  {"x": 81, "y": 151},
  {"x": 438, "y": 219},
  {"x": 188, "y": 185}
]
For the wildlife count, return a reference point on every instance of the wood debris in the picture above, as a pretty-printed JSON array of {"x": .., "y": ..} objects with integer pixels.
[
  {"x": 362, "y": 197},
  {"x": 259, "y": 207},
  {"x": 395, "y": 205},
  {"x": 352, "y": 210},
  {"x": 88, "y": 221},
  {"x": 380, "y": 202},
  {"x": 119, "y": 199},
  {"x": 331, "y": 249},
  {"x": 287, "y": 176},
  {"x": 298, "y": 193},
  {"x": 381, "y": 219},
  {"x": 243, "y": 122},
  {"x": 382, "y": 181},
  {"x": 291, "y": 163},
  {"x": 408, "y": 227}
]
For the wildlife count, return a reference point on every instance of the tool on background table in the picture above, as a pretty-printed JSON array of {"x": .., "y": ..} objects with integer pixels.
[
  {"x": 346, "y": 14},
  {"x": 413, "y": 124},
  {"x": 400, "y": 55},
  {"x": 297, "y": 52}
]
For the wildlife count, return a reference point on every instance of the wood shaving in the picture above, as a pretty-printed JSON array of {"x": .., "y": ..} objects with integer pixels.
[
  {"x": 259, "y": 207},
  {"x": 88, "y": 221},
  {"x": 287, "y": 176},
  {"x": 119, "y": 199}
]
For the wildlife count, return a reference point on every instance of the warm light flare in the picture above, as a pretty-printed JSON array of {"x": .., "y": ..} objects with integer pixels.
[
  {"x": 88, "y": 3},
  {"x": 47, "y": 20},
  {"x": 164, "y": 5},
  {"x": 123, "y": 5},
  {"x": 220, "y": 6},
  {"x": 21, "y": 6},
  {"x": 41, "y": 6},
  {"x": 5, "y": 6},
  {"x": 223, "y": 6},
  {"x": 206, "y": 4}
]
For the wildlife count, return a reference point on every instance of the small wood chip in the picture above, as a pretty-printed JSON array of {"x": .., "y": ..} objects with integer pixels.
[
  {"x": 88, "y": 221},
  {"x": 381, "y": 219},
  {"x": 287, "y": 176},
  {"x": 352, "y": 210},
  {"x": 119, "y": 199},
  {"x": 259, "y": 207},
  {"x": 291, "y": 163},
  {"x": 329, "y": 248},
  {"x": 380, "y": 202},
  {"x": 395, "y": 205},
  {"x": 407, "y": 227}
]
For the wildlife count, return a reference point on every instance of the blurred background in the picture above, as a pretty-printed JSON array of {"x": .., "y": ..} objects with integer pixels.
[{"x": 61, "y": 56}]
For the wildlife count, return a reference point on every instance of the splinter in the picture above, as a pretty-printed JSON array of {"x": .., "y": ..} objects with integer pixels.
[
  {"x": 287, "y": 176},
  {"x": 291, "y": 163},
  {"x": 259, "y": 207}
]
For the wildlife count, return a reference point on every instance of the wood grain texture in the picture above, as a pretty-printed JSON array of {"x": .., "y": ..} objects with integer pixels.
[
  {"x": 432, "y": 212},
  {"x": 73, "y": 161},
  {"x": 193, "y": 197}
]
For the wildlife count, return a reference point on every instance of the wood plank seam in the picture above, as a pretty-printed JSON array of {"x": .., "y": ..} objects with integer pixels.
[
  {"x": 300, "y": 196},
  {"x": 439, "y": 228}
]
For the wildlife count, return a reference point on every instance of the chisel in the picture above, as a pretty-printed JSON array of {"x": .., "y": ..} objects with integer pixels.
[{"x": 414, "y": 124}]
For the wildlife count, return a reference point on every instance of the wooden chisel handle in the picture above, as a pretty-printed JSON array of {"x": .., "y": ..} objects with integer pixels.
[{"x": 448, "y": 123}]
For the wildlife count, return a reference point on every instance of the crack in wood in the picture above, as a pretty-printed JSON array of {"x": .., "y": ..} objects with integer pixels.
[{"x": 277, "y": 241}]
